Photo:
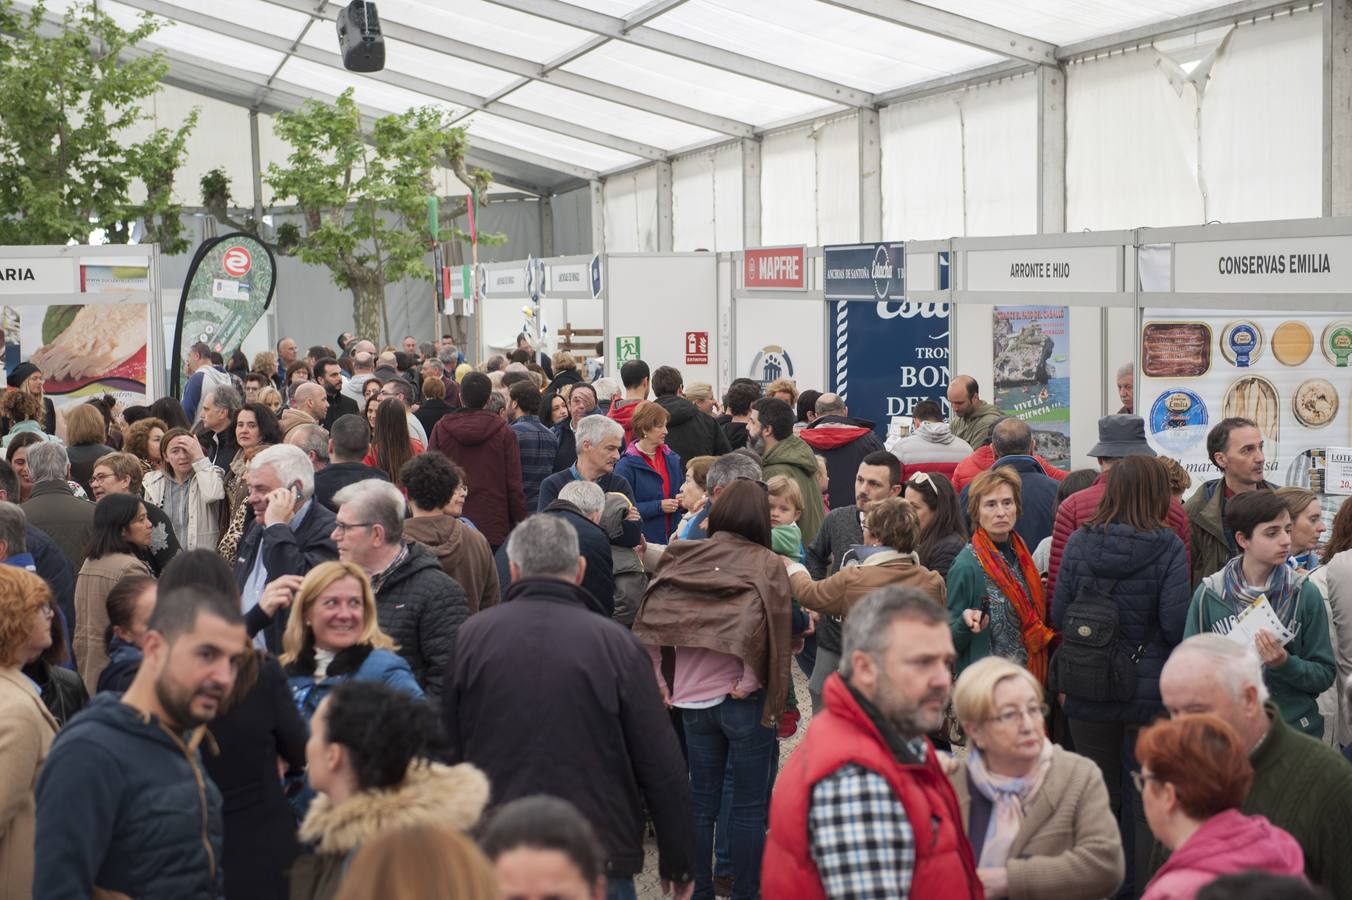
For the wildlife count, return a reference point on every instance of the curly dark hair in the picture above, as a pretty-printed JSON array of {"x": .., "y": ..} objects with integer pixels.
[
  {"x": 385, "y": 731},
  {"x": 430, "y": 480},
  {"x": 269, "y": 429}
]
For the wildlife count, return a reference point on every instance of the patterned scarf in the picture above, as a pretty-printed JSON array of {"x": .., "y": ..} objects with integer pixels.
[
  {"x": 1029, "y": 603},
  {"x": 1282, "y": 589},
  {"x": 1009, "y": 799}
]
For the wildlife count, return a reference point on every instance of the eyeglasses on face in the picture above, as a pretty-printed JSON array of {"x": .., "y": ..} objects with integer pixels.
[
  {"x": 1141, "y": 779},
  {"x": 343, "y": 528},
  {"x": 1012, "y": 717}
]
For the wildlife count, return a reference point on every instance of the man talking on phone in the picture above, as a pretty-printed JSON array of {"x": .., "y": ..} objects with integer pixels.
[{"x": 285, "y": 533}]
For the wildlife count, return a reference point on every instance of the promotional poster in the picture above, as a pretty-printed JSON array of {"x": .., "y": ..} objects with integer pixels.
[{"x": 1032, "y": 374}]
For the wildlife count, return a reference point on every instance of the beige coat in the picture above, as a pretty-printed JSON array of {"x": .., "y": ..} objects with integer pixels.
[
  {"x": 96, "y": 579},
  {"x": 1069, "y": 847},
  {"x": 836, "y": 594},
  {"x": 205, "y": 493},
  {"x": 26, "y": 733}
]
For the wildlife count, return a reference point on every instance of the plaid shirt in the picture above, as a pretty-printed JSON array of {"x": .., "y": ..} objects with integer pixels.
[
  {"x": 538, "y": 446},
  {"x": 862, "y": 843}
]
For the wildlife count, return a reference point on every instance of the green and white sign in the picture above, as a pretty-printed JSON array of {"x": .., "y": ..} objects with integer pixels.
[{"x": 626, "y": 348}]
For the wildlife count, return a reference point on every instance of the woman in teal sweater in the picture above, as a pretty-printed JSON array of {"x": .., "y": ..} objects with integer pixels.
[{"x": 1299, "y": 671}]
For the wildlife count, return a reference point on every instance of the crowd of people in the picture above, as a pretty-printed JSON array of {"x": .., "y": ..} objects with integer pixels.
[{"x": 376, "y": 622}]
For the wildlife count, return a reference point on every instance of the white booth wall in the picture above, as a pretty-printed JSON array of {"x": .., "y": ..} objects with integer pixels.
[{"x": 658, "y": 297}]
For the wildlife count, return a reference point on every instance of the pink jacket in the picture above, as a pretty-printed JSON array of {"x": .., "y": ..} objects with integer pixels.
[{"x": 1226, "y": 844}]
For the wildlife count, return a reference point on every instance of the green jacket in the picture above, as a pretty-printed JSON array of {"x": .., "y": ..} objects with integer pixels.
[
  {"x": 1211, "y": 548},
  {"x": 966, "y": 590},
  {"x": 1309, "y": 668},
  {"x": 975, "y": 428},
  {"x": 794, "y": 459}
]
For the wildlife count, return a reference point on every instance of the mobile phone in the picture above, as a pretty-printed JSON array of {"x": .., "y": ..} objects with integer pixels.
[{"x": 985, "y": 611}]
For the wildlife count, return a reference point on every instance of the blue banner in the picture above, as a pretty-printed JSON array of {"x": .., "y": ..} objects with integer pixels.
[{"x": 886, "y": 354}]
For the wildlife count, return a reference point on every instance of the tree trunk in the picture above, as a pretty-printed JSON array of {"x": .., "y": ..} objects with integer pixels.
[{"x": 368, "y": 303}]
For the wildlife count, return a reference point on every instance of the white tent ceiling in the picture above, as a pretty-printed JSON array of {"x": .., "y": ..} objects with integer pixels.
[{"x": 555, "y": 93}]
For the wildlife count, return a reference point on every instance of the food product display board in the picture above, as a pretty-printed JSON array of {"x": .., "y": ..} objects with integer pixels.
[{"x": 1290, "y": 373}]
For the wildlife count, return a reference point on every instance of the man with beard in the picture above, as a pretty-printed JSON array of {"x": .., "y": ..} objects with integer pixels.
[
  {"x": 863, "y": 808},
  {"x": 770, "y": 433},
  {"x": 1235, "y": 446},
  {"x": 124, "y": 807}
]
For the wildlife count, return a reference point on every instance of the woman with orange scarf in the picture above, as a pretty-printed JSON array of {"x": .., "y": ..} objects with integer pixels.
[{"x": 995, "y": 599}]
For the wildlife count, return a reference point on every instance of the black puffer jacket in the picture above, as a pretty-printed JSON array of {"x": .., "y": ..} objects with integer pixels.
[
  {"x": 422, "y": 608},
  {"x": 1149, "y": 578},
  {"x": 691, "y": 432}
]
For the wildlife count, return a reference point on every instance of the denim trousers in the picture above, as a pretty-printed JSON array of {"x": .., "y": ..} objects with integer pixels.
[
  {"x": 722, "y": 741},
  {"x": 620, "y": 887}
]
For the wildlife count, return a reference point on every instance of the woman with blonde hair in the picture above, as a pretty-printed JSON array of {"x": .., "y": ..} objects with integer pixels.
[
  {"x": 1037, "y": 815},
  {"x": 272, "y": 399},
  {"x": 332, "y": 635},
  {"x": 26, "y": 726},
  {"x": 995, "y": 599},
  {"x": 424, "y": 862},
  {"x": 86, "y": 441},
  {"x": 1307, "y": 527}
]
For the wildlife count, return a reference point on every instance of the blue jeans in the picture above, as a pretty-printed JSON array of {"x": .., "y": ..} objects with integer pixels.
[
  {"x": 723, "y": 739},
  {"x": 620, "y": 887}
]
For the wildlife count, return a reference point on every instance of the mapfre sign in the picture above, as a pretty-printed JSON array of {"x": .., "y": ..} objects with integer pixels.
[{"x": 775, "y": 269}]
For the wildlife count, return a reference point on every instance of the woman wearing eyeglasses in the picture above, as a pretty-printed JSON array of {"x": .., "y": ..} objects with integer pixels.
[
  {"x": 943, "y": 533},
  {"x": 1037, "y": 816},
  {"x": 1194, "y": 774}
]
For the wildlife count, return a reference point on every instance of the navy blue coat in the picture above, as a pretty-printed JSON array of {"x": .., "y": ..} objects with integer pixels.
[
  {"x": 1150, "y": 579},
  {"x": 1038, "y": 500},
  {"x": 648, "y": 493}
]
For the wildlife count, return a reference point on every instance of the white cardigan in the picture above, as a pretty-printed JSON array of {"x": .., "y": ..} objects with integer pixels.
[{"x": 206, "y": 492}]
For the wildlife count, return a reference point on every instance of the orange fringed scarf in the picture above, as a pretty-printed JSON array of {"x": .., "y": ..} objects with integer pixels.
[{"x": 1029, "y": 604}]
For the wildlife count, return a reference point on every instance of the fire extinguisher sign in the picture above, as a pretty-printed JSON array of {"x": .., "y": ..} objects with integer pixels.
[{"x": 697, "y": 348}]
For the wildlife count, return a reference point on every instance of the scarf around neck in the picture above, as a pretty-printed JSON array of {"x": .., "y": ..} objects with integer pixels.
[
  {"x": 1026, "y": 597},
  {"x": 1282, "y": 589},
  {"x": 1009, "y": 798}
]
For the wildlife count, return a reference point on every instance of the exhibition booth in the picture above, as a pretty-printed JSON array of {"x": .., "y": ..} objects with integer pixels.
[
  {"x": 89, "y": 317},
  {"x": 1209, "y": 321}
]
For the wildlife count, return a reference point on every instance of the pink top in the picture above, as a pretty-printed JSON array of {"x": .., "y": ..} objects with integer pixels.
[{"x": 704, "y": 677}]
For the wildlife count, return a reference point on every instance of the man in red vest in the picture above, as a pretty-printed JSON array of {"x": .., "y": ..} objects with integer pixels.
[{"x": 863, "y": 808}]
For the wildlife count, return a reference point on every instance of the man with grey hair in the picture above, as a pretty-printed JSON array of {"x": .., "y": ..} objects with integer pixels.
[
  {"x": 313, "y": 441},
  {"x": 580, "y": 504},
  {"x": 48, "y": 559},
  {"x": 1299, "y": 784},
  {"x": 598, "y": 449},
  {"x": 548, "y": 698},
  {"x": 495, "y": 363},
  {"x": 1013, "y": 443},
  {"x": 844, "y": 804},
  {"x": 52, "y": 505},
  {"x": 286, "y": 533},
  {"x": 363, "y": 370},
  {"x": 216, "y": 431},
  {"x": 436, "y": 367},
  {"x": 417, "y": 603},
  {"x": 724, "y": 471},
  {"x": 843, "y": 442},
  {"x": 1126, "y": 388},
  {"x": 14, "y": 537}
]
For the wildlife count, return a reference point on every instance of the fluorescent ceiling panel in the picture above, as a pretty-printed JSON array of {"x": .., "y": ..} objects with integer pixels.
[
  {"x": 693, "y": 84},
  {"x": 545, "y": 143},
  {"x": 482, "y": 23},
  {"x": 860, "y": 51},
  {"x": 609, "y": 117},
  {"x": 1068, "y": 21}
]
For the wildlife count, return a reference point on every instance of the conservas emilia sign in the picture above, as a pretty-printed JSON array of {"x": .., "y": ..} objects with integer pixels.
[
  {"x": 1270, "y": 265},
  {"x": 775, "y": 268}
]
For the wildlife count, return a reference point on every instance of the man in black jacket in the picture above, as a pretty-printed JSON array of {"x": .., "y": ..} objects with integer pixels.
[
  {"x": 843, "y": 442},
  {"x": 691, "y": 432},
  {"x": 330, "y": 375},
  {"x": 521, "y": 708},
  {"x": 349, "y": 439},
  {"x": 287, "y": 534},
  {"x": 216, "y": 431},
  {"x": 580, "y": 504},
  {"x": 417, "y": 603}
]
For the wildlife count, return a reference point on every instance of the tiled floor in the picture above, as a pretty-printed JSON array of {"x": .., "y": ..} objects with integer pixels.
[{"x": 649, "y": 885}]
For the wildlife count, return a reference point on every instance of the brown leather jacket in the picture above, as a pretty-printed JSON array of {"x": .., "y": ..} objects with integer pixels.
[{"x": 728, "y": 595}]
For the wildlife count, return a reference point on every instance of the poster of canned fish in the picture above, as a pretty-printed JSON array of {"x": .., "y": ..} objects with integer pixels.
[
  {"x": 1290, "y": 373},
  {"x": 1032, "y": 374},
  {"x": 92, "y": 349}
]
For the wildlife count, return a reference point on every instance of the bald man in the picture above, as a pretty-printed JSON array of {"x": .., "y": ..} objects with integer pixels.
[
  {"x": 973, "y": 418},
  {"x": 312, "y": 400},
  {"x": 843, "y": 442}
]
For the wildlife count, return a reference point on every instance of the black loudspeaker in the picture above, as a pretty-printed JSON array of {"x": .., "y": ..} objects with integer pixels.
[{"x": 359, "y": 37}]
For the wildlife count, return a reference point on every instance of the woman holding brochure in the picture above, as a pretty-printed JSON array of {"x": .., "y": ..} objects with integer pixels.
[{"x": 1259, "y": 600}]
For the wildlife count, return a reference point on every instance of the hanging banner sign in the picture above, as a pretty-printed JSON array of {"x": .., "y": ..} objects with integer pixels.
[
  {"x": 37, "y": 276},
  {"x": 505, "y": 282},
  {"x": 775, "y": 268},
  {"x": 887, "y": 357},
  {"x": 596, "y": 276},
  {"x": 865, "y": 272},
  {"x": 1032, "y": 373},
  {"x": 1272, "y": 265},
  {"x": 1067, "y": 270}
]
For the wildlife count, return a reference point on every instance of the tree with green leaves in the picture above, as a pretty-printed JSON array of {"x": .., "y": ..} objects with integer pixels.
[
  {"x": 67, "y": 97},
  {"x": 361, "y": 187}
]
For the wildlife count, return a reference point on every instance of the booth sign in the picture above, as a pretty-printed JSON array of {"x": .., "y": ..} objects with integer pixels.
[
  {"x": 1066, "y": 270},
  {"x": 506, "y": 281},
  {"x": 775, "y": 268},
  {"x": 54, "y": 275},
  {"x": 1280, "y": 265},
  {"x": 864, "y": 272},
  {"x": 696, "y": 348},
  {"x": 1338, "y": 471}
]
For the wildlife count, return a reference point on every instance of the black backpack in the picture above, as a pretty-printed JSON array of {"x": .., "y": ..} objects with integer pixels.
[{"x": 1093, "y": 663}]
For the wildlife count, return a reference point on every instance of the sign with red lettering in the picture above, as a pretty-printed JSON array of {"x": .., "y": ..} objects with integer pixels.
[
  {"x": 775, "y": 269},
  {"x": 697, "y": 348}
]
